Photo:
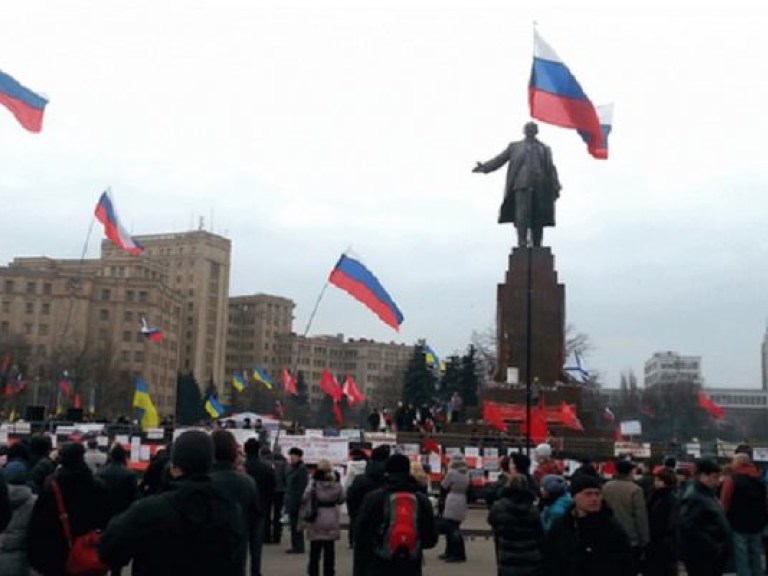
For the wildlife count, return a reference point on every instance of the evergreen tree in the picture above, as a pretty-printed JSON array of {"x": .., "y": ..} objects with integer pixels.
[
  {"x": 469, "y": 377},
  {"x": 419, "y": 386},
  {"x": 450, "y": 381},
  {"x": 189, "y": 402}
]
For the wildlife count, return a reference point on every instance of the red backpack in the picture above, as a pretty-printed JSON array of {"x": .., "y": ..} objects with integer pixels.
[{"x": 400, "y": 534}]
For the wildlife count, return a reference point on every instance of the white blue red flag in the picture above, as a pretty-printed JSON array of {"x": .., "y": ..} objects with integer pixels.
[
  {"x": 556, "y": 97},
  {"x": 107, "y": 215},
  {"x": 150, "y": 332}
]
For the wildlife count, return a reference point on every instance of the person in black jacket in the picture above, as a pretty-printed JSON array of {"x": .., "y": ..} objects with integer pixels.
[
  {"x": 85, "y": 501},
  {"x": 41, "y": 465},
  {"x": 191, "y": 528},
  {"x": 705, "y": 536},
  {"x": 587, "y": 541},
  {"x": 366, "y": 483},
  {"x": 5, "y": 504},
  {"x": 296, "y": 480},
  {"x": 264, "y": 477},
  {"x": 517, "y": 530},
  {"x": 663, "y": 519},
  {"x": 370, "y": 525}
]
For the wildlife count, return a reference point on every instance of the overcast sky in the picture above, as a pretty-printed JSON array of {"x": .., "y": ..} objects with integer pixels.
[{"x": 301, "y": 128}]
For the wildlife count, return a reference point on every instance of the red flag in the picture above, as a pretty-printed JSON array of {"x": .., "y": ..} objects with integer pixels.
[
  {"x": 337, "y": 413},
  {"x": 430, "y": 445},
  {"x": 617, "y": 435},
  {"x": 65, "y": 387},
  {"x": 717, "y": 412},
  {"x": 569, "y": 418},
  {"x": 76, "y": 403},
  {"x": 492, "y": 416},
  {"x": 538, "y": 426},
  {"x": 351, "y": 392},
  {"x": 290, "y": 385},
  {"x": 6, "y": 363},
  {"x": 329, "y": 385}
]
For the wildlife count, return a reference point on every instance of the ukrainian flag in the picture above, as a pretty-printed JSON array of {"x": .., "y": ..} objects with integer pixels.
[
  {"x": 238, "y": 382},
  {"x": 431, "y": 357},
  {"x": 261, "y": 376},
  {"x": 146, "y": 413},
  {"x": 213, "y": 407}
]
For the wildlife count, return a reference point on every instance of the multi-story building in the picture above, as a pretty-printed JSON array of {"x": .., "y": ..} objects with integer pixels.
[
  {"x": 66, "y": 310},
  {"x": 255, "y": 325},
  {"x": 195, "y": 264},
  {"x": 372, "y": 364},
  {"x": 671, "y": 367},
  {"x": 764, "y": 359}
]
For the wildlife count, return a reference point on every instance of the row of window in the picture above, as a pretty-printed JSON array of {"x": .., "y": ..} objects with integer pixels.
[
  {"x": 9, "y": 287},
  {"x": 29, "y": 307}
]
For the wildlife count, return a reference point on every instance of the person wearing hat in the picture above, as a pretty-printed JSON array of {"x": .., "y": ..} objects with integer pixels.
[
  {"x": 368, "y": 559},
  {"x": 296, "y": 480},
  {"x": 627, "y": 501},
  {"x": 555, "y": 500},
  {"x": 663, "y": 516},
  {"x": 587, "y": 541},
  {"x": 192, "y": 528},
  {"x": 13, "y": 540},
  {"x": 86, "y": 507},
  {"x": 705, "y": 535},
  {"x": 364, "y": 484},
  {"x": 545, "y": 464},
  {"x": 455, "y": 485}
]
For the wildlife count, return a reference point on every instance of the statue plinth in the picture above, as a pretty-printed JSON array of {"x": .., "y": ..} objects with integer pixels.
[{"x": 531, "y": 279}]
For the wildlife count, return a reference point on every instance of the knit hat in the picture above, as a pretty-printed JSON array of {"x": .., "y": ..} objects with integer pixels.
[
  {"x": 553, "y": 484},
  {"x": 15, "y": 472},
  {"x": 397, "y": 464},
  {"x": 543, "y": 450},
  {"x": 193, "y": 452},
  {"x": 71, "y": 455},
  {"x": 582, "y": 482}
]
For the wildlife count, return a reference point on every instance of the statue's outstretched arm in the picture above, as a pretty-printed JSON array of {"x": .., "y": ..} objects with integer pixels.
[{"x": 493, "y": 163}]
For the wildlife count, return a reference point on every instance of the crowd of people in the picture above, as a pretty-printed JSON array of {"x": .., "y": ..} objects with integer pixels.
[{"x": 208, "y": 506}]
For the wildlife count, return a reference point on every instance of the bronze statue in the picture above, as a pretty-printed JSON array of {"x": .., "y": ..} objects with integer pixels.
[{"x": 532, "y": 185}]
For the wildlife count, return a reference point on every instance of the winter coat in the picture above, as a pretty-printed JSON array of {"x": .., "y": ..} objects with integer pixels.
[
  {"x": 369, "y": 527},
  {"x": 518, "y": 532},
  {"x": 85, "y": 500},
  {"x": 705, "y": 536},
  {"x": 546, "y": 467},
  {"x": 242, "y": 489},
  {"x": 663, "y": 518},
  {"x": 192, "y": 528},
  {"x": 743, "y": 496},
  {"x": 94, "y": 459},
  {"x": 13, "y": 541},
  {"x": 264, "y": 477},
  {"x": 363, "y": 485},
  {"x": 280, "y": 466},
  {"x": 296, "y": 481},
  {"x": 592, "y": 545},
  {"x": 456, "y": 483},
  {"x": 555, "y": 510},
  {"x": 40, "y": 472},
  {"x": 330, "y": 495},
  {"x": 627, "y": 502},
  {"x": 5, "y": 504},
  {"x": 122, "y": 487}
]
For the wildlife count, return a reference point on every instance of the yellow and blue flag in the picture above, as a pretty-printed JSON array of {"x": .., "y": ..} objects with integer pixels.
[
  {"x": 146, "y": 413},
  {"x": 431, "y": 357},
  {"x": 214, "y": 409},
  {"x": 261, "y": 376},
  {"x": 238, "y": 382}
]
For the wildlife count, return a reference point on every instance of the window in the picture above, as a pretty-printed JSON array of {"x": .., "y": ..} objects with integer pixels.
[
  {"x": 30, "y": 287},
  {"x": 5, "y": 328},
  {"x": 105, "y": 293},
  {"x": 128, "y": 316},
  {"x": 138, "y": 356},
  {"x": 6, "y": 306},
  {"x": 29, "y": 307},
  {"x": 143, "y": 297},
  {"x": 47, "y": 288},
  {"x": 42, "y": 329},
  {"x": 130, "y": 295},
  {"x": 45, "y": 308},
  {"x": 103, "y": 314},
  {"x": 28, "y": 329},
  {"x": 126, "y": 336},
  {"x": 125, "y": 355},
  {"x": 9, "y": 286}
]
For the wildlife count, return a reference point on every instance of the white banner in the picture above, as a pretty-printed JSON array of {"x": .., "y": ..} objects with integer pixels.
[
  {"x": 635, "y": 449},
  {"x": 334, "y": 449},
  {"x": 631, "y": 428},
  {"x": 760, "y": 454}
]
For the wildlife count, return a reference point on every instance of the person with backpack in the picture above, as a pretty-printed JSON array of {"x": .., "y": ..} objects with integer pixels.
[
  {"x": 192, "y": 528},
  {"x": 456, "y": 485},
  {"x": 322, "y": 518},
  {"x": 364, "y": 484},
  {"x": 85, "y": 509},
  {"x": 394, "y": 526}
]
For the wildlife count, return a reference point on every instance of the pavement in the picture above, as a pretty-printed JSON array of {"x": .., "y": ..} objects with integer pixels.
[{"x": 481, "y": 560}]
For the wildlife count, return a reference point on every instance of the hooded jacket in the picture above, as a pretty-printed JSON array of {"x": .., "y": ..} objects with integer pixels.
[
  {"x": 330, "y": 494},
  {"x": 705, "y": 536},
  {"x": 363, "y": 485},
  {"x": 743, "y": 496},
  {"x": 518, "y": 532},
  {"x": 456, "y": 484},
  {"x": 13, "y": 541}
]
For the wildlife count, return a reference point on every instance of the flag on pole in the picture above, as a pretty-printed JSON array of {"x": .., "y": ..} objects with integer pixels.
[
  {"x": 556, "y": 97},
  {"x": 146, "y": 413},
  {"x": 330, "y": 386},
  {"x": 150, "y": 332},
  {"x": 261, "y": 375},
  {"x": 27, "y": 106},
  {"x": 214, "y": 409},
  {"x": 431, "y": 357},
  {"x": 65, "y": 386},
  {"x": 574, "y": 368},
  {"x": 238, "y": 382},
  {"x": 717, "y": 412},
  {"x": 354, "y": 278},
  {"x": 113, "y": 229},
  {"x": 290, "y": 385},
  {"x": 351, "y": 392}
]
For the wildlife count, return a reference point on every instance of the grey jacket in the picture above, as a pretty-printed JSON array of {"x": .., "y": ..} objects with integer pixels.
[
  {"x": 456, "y": 483},
  {"x": 13, "y": 541},
  {"x": 627, "y": 501},
  {"x": 330, "y": 494}
]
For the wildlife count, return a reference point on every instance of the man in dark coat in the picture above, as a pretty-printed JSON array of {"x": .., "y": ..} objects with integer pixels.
[
  {"x": 280, "y": 467},
  {"x": 366, "y": 483},
  {"x": 120, "y": 482},
  {"x": 532, "y": 185},
  {"x": 85, "y": 500},
  {"x": 41, "y": 465},
  {"x": 370, "y": 527},
  {"x": 264, "y": 478},
  {"x": 705, "y": 536},
  {"x": 587, "y": 541},
  {"x": 191, "y": 528},
  {"x": 296, "y": 481},
  {"x": 5, "y": 504}
]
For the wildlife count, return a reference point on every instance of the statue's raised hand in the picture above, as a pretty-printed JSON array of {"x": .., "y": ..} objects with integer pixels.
[{"x": 478, "y": 168}]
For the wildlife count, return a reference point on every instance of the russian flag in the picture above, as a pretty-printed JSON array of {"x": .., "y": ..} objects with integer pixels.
[
  {"x": 354, "y": 278},
  {"x": 27, "y": 106},
  {"x": 107, "y": 215},
  {"x": 150, "y": 332},
  {"x": 556, "y": 97}
]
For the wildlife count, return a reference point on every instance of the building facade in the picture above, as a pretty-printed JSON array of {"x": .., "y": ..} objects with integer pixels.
[{"x": 671, "y": 367}]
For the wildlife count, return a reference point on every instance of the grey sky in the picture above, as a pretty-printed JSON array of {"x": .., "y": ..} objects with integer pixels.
[{"x": 311, "y": 126}]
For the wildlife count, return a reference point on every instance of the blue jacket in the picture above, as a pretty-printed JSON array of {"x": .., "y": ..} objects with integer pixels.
[{"x": 556, "y": 510}]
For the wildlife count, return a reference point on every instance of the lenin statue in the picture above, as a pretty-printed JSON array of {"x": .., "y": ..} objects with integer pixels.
[{"x": 532, "y": 186}]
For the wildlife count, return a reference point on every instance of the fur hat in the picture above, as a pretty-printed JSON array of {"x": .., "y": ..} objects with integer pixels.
[{"x": 543, "y": 450}]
